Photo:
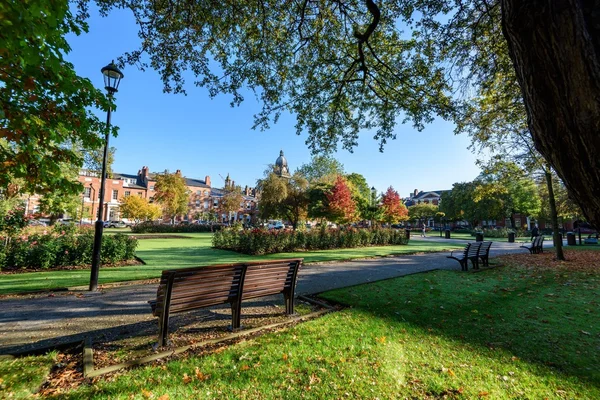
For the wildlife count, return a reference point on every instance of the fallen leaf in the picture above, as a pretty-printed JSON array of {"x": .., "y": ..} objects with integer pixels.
[
  {"x": 164, "y": 397},
  {"x": 285, "y": 356},
  {"x": 200, "y": 375},
  {"x": 186, "y": 378},
  {"x": 146, "y": 393},
  {"x": 483, "y": 394},
  {"x": 245, "y": 367}
]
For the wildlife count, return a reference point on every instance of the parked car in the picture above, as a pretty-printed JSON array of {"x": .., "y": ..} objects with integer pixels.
[
  {"x": 275, "y": 225},
  {"x": 37, "y": 222},
  {"x": 115, "y": 224}
]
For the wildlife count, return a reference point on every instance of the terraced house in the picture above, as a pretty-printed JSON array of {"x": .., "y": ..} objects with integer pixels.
[{"x": 203, "y": 198}]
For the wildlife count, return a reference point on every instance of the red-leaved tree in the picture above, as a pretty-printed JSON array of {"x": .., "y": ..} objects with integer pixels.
[
  {"x": 393, "y": 210},
  {"x": 342, "y": 208}
]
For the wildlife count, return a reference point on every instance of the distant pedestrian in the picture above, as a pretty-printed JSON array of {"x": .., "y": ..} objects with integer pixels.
[
  {"x": 535, "y": 232},
  {"x": 424, "y": 228}
]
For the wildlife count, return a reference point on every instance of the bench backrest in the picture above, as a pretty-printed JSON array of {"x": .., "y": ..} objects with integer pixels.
[
  {"x": 267, "y": 278},
  {"x": 473, "y": 250},
  {"x": 197, "y": 287},
  {"x": 485, "y": 248},
  {"x": 192, "y": 288}
]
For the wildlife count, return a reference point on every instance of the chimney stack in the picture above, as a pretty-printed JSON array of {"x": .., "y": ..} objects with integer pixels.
[{"x": 207, "y": 180}]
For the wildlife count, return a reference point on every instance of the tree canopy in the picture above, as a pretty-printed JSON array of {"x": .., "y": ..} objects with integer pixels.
[
  {"x": 284, "y": 198},
  {"x": 321, "y": 168},
  {"x": 341, "y": 205},
  {"x": 393, "y": 209},
  {"x": 171, "y": 193},
  {"x": 46, "y": 109},
  {"x": 139, "y": 209}
]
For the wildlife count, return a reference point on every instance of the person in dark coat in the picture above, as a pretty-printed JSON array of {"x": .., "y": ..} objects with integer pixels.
[{"x": 535, "y": 232}]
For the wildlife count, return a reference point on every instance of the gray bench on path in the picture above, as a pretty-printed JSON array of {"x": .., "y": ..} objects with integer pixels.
[
  {"x": 198, "y": 287},
  {"x": 537, "y": 245}
]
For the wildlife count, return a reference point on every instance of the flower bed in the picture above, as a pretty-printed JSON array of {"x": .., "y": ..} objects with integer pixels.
[
  {"x": 63, "y": 246},
  {"x": 262, "y": 241}
]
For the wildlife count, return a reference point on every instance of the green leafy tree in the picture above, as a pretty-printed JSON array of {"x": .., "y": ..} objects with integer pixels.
[
  {"x": 361, "y": 194},
  {"x": 284, "y": 198},
  {"x": 139, "y": 209},
  {"x": 459, "y": 205},
  {"x": 422, "y": 211},
  {"x": 45, "y": 106},
  {"x": 318, "y": 204},
  {"x": 508, "y": 185},
  {"x": 93, "y": 160},
  {"x": 231, "y": 200},
  {"x": 341, "y": 205},
  {"x": 57, "y": 204},
  {"x": 322, "y": 168},
  {"x": 171, "y": 193},
  {"x": 393, "y": 209}
]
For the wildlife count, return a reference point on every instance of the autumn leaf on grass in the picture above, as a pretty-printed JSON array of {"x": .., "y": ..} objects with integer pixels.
[
  {"x": 200, "y": 375},
  {"x": 482, "y": 394},
  {"x": 164, "y": 397},
  {"x": 186, "y": 378},
  {"x": 245, "y": 367},
  {"x": 146, "y": 393},
  {"x": 285, "y": 357},
  {"x": 381, "y": 339}
]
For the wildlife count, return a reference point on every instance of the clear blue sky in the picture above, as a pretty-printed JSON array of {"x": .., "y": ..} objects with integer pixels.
[{"x": 203, "y": 137}]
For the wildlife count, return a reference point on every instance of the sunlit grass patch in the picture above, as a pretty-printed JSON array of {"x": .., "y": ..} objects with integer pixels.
[{"x": 21, "y": 377}]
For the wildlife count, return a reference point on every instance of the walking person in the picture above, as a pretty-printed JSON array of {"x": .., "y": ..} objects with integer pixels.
[{"x": 423, "y": 230}]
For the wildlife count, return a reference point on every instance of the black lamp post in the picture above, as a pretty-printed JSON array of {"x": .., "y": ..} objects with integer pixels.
[
  {"x": 112, "y": 77},
  {"x": 93, "y": 197}
]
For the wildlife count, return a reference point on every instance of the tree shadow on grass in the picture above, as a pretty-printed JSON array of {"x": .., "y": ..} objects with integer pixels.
[{"x": 543, "y": 319}]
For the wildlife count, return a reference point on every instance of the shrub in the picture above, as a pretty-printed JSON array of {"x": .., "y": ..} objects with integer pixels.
[
  {"x": 63, "y": 247},
  {"x": 260, "y": 241},
  {"x": 150, "y": 227}
]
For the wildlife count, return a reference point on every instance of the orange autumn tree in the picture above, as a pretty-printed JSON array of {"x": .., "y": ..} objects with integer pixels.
[
  {"x": 341, "y": 207},
  {"x": 393, "y": 209}
]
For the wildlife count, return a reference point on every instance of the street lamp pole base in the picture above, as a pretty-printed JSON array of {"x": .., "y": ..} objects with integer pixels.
[{"x": 96, "y": 255}]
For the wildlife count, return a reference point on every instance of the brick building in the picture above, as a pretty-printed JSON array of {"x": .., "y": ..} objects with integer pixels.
[{"x": 203, "y": 198}]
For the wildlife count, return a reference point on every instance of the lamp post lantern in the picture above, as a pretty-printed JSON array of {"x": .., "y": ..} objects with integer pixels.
[{"x": 112, "y": 78}]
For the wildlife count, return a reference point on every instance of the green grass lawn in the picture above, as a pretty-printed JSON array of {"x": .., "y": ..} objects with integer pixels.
[
  {"x": 195, "y": 250},
  {"x": 21, "y": 377},
  {"x": 504, "y": 333}
]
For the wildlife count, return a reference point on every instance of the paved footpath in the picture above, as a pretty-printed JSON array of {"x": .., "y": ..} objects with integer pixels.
[{"x": 33, "y": 321}]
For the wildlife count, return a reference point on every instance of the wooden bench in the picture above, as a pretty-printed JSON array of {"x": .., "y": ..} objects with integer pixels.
[
  {"x": 471, "y": 252},
  {"x": 484, "y": 253},
  {"x": 192, "y": 288},
  {"x": 537, "y": 245}
]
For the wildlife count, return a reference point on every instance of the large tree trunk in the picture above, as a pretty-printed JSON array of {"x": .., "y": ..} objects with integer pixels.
[{"x": 555, "y": 48}]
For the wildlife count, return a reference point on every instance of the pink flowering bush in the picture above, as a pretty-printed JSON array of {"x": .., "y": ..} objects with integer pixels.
[
  {"x": 263, "y": 241},
  {"x": 63, "y": 246}
]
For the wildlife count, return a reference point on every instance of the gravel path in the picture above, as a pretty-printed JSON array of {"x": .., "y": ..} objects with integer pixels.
[{"x": 40, "y": 320}]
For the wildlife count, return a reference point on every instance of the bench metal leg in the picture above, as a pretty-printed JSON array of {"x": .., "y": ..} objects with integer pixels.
[
  {"x": 236, "y": 316},
  {"x": 289, "y": 302},
  {"x": 163, "y": 330}
]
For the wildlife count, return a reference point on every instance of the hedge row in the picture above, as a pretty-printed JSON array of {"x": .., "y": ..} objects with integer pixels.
[
  {"x": 500, "y": 233},
  {"x": 64, "y": 248},
  {"x": 149, "y": 227},
  {"x": 262, "y": 241}
]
